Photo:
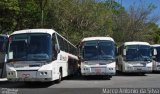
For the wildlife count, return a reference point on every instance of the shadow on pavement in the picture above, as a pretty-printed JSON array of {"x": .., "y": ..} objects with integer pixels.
[
  {"x": 80, "y": 77},
  {"x": 130, "y": 74},
  {"x": 25, "y": 84}
]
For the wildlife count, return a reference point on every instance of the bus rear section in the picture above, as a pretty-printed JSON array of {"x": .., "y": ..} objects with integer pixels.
[
  {"x": 3, "y": 55},
  {"x": 156, "y": 58},
  {"x": 135, "y": 57},
  {"x": 97, "y": 56}
]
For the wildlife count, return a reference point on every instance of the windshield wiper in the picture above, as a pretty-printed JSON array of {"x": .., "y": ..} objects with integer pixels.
[{"x": 13, "y": 60}]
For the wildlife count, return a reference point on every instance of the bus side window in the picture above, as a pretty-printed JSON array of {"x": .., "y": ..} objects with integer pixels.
[{"x": 54, "y": 44}]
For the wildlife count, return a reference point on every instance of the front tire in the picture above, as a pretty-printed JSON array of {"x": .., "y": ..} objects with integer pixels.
[
  {"x": 60, "y": 77},
  {"x": 108, "y": 77}
]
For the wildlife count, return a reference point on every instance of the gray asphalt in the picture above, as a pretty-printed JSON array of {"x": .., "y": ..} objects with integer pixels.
[{"x": 90, "y": 85}]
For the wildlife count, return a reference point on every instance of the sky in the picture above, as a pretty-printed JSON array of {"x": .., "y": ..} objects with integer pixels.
[{"x": 127, "y": 3}]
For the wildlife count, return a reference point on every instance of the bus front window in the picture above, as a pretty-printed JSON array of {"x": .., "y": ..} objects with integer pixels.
[
  {"x": 30, "y": 47},
  {"x": 99, "y": 50},
  {"x": 90, "y": 51},
  {"x": 144, "y": 52},
  {"x": 138, "y": 53},
  {"x": 106, "y": 50}
]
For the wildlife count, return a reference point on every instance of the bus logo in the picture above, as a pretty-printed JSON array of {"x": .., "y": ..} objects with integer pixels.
[{"x": 25, "y": 75}]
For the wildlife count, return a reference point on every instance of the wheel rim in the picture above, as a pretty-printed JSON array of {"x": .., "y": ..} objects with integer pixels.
[{"x": 60, "y": 76}]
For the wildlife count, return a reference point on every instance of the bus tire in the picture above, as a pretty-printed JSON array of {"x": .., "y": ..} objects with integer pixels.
[
  {"x": 60, "y": 76},
  {"x": 109, "y": 77},
  {"x": 142, "y": 74}
]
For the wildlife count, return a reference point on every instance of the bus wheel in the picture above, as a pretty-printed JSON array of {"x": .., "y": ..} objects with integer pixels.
[
  {"x": 60, "y": 77},
  {"x": 109, "y": 77},
  {"x": 142, "y": 74}
]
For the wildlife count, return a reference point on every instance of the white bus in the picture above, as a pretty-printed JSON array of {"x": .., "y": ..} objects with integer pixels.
[
  {"x": 98, "y": 56},
  {"x": 3, "y": 56},
  {"x": 156, "y": 59},
  {"x": 40, "y": 55},
  {"x": 135, "y": 57}
]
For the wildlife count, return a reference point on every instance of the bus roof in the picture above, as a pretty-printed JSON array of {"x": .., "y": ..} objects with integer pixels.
[
  {"x": 156, "y": 45},
  {"x": 97, "y": 38},
  {"x": 49, "y": 31},
  {"x": 136, "y": 43}
]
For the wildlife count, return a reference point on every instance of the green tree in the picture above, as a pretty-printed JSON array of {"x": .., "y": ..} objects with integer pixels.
[{"x": 8, "y": 12}]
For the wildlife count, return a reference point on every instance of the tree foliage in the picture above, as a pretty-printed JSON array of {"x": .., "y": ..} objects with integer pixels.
[{"x": 77, "y": 19}]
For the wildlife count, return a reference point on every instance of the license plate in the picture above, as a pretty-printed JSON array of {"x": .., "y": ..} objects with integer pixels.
[
  {"x": 97, "y": 70},
  {"x": 139, "y": 69},
  {"x": 25, "y": 75}
]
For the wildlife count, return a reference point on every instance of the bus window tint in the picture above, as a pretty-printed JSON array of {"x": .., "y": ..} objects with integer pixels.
[
  {"x": 138, "y": 52},
  {"x": 106, "y": 50},
  {"x": 99, "y": 50},
  {"x": 31, "y": 47}
]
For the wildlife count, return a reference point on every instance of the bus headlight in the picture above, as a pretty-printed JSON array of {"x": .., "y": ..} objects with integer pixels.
[
  {"x": 43, "y": 73},
  {"x": 86, "y": 69},
  {"x": 149, "y": 68},
  {"x": 129, "y": 68},
  {"x": 11, "y": 73},
  {"x": 110, "y": 68}
]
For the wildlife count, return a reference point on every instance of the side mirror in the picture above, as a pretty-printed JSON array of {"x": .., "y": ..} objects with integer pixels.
[
  {"x": 57, "y": 48},
  {"x": 124, "y": 51},
  {"x": 116, "y": 51},
  {"x": 154, "y": 52}
]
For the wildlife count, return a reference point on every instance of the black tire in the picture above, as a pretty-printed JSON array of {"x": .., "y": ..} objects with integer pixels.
[
  {"x": 142, "y": 74},
  {"x": 85, "y": 77},
  {"x": 60, "y": 77},
  {"x": 109, "y": 77}
]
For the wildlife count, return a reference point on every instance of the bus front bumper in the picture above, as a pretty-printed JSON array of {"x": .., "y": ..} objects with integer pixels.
[
  {"x": 138, "y": 69},
  {"x": 98, "y": 71},
  {"x": 42, "y": 76},
  {"x": 157, "y": 68},
  {"x": 30, "y": 79}
]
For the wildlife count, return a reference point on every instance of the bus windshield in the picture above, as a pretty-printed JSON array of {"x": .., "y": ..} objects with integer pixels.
[
  {"x": 30, "y": 47},
  {"x": 138, "y": 53},
  {"x": 158, "y": 54},
  {"x": 99, "y": 50}
]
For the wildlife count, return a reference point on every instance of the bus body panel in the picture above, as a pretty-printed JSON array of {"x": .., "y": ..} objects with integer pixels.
[
  {"x": 33, "y": 71},
  {"x": 137, "y": 65},
  {"x": 97, "y": 69},
  {"x": 97, "y": 66},
  {"x": 156, "y": 60},
  {"x": 39, "y": 69}
]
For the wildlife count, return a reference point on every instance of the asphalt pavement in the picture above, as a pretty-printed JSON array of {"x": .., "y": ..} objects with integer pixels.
[{"x": 91, "y": 85}]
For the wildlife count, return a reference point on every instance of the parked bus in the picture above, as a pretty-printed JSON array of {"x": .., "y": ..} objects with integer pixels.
[
  {"x": 40, "y": 55},
  {"x": 3, "y": 57},
  {"x": 156, "y": 59},
  {"x": 135, "y": 57},
  {"x": 98, "y": 56}
]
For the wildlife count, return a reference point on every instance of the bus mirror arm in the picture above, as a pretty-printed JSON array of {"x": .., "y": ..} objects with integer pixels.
[
  {"x": 80, "y": 58},
  {"x": 154, "y": 57},
  {"x": 124, "y": 52},
  {"x": 154, "y": 52},
  {"x": 57, "y": 48}
]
